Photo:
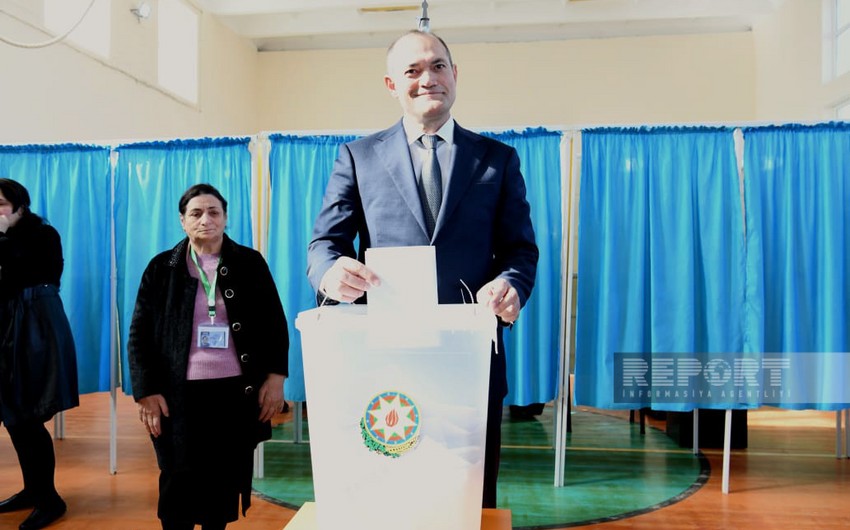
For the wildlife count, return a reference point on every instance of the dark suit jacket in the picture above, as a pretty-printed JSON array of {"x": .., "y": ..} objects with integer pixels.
[{"x": 483, "y": 231}]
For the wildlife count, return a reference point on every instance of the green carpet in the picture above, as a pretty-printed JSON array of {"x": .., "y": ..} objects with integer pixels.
[{"x": 612, "y": 471}]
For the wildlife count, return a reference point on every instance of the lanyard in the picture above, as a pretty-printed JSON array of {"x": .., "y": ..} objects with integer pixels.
[{"x": 209, "y": 288}]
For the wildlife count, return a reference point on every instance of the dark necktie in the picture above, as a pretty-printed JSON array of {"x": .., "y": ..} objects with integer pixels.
[{"x": 431, "y": 182}]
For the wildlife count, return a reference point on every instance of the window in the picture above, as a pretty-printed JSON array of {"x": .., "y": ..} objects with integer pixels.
[
  {"x": 842, "y": 111},
  {"x": 177, "y": 63},
  {"x": 94, "y": 31},
  {"x": 842, "y": 37}
]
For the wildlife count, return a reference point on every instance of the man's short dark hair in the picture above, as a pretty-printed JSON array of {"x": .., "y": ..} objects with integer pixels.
[{"x": 426, "y": 34}]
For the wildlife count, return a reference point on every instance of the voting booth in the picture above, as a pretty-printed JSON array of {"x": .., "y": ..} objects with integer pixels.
[{"x": 397, "y": 393}]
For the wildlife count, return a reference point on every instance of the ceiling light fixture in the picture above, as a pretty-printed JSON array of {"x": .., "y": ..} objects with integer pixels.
[
  {"x": 424, "y": 21},
  {"x": 142, "y": 11}
]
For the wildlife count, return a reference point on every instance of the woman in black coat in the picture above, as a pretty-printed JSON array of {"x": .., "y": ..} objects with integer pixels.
[
  {"x": 38, "y": 364},
  {"x": 208, "y": 355}
]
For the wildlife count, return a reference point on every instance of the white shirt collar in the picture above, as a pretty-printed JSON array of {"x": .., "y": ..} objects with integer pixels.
[{"x": 446, "y": 132}]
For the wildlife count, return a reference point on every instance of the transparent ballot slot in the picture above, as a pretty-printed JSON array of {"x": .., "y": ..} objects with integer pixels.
[{"x": 397, "y": 415}]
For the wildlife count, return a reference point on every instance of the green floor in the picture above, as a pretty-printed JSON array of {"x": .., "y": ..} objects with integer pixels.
[{"x": 612, "y": 471}]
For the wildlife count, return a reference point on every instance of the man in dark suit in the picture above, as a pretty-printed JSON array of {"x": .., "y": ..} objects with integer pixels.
[{"x": 479, "y": 222}]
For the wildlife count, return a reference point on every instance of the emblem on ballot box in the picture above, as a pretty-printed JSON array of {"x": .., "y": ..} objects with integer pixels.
[{"x": 390, "y": 425}]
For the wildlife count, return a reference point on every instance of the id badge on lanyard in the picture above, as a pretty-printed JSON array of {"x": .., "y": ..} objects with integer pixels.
[{"x": 211, "y": 335}]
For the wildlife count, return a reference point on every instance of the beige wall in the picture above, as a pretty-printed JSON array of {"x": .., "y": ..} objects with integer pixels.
[
  {"x": 62, "y": 94},
  {"x": 697, "y": 78},
  {"x": 322, "y": 90},
  {"x": 59, "y": 93}
]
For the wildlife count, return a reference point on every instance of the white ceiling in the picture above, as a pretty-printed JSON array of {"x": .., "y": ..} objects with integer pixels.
[{"x": 323, "y": 24}]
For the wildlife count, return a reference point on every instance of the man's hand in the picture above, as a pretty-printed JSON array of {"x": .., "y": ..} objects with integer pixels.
[
  {"x": 501, "y": 299},
  {"x": 151, "y": 410},
  {"x": 347, "y": 280},
  {"x": 271, "y": 396}
]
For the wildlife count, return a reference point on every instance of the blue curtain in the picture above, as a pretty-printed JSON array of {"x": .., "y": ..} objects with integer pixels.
[
  {"x": 661, "y": 252},
  {"x": 797, "y": 190},
  {"x": 149, "y": 180},
  {"x": 70, "y": 187},
  {"x": 299, "y": 168},
  {"x": 532, "y": 345}
]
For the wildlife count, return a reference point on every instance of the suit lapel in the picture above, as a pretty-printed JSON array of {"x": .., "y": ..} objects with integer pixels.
[
  {"x": 393, "y": 151},
  {"x": 466, "y": 158}
]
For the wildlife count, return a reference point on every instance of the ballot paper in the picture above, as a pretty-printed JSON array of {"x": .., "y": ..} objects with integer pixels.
[
  {"x": 402, "y": 309},
  {"x": 408, "y": 279}
]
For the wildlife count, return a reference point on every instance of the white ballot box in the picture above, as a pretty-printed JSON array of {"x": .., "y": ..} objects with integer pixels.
[{"x": 397, "y": 426}]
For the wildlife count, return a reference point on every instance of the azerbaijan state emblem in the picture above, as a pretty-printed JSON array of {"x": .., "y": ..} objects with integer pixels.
[{"x": 390, "y": 425}]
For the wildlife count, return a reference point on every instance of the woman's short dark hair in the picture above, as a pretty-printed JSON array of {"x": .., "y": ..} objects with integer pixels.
[
  {"x": 200, "y": 189},
  {"x": 16, "y": 194}
]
